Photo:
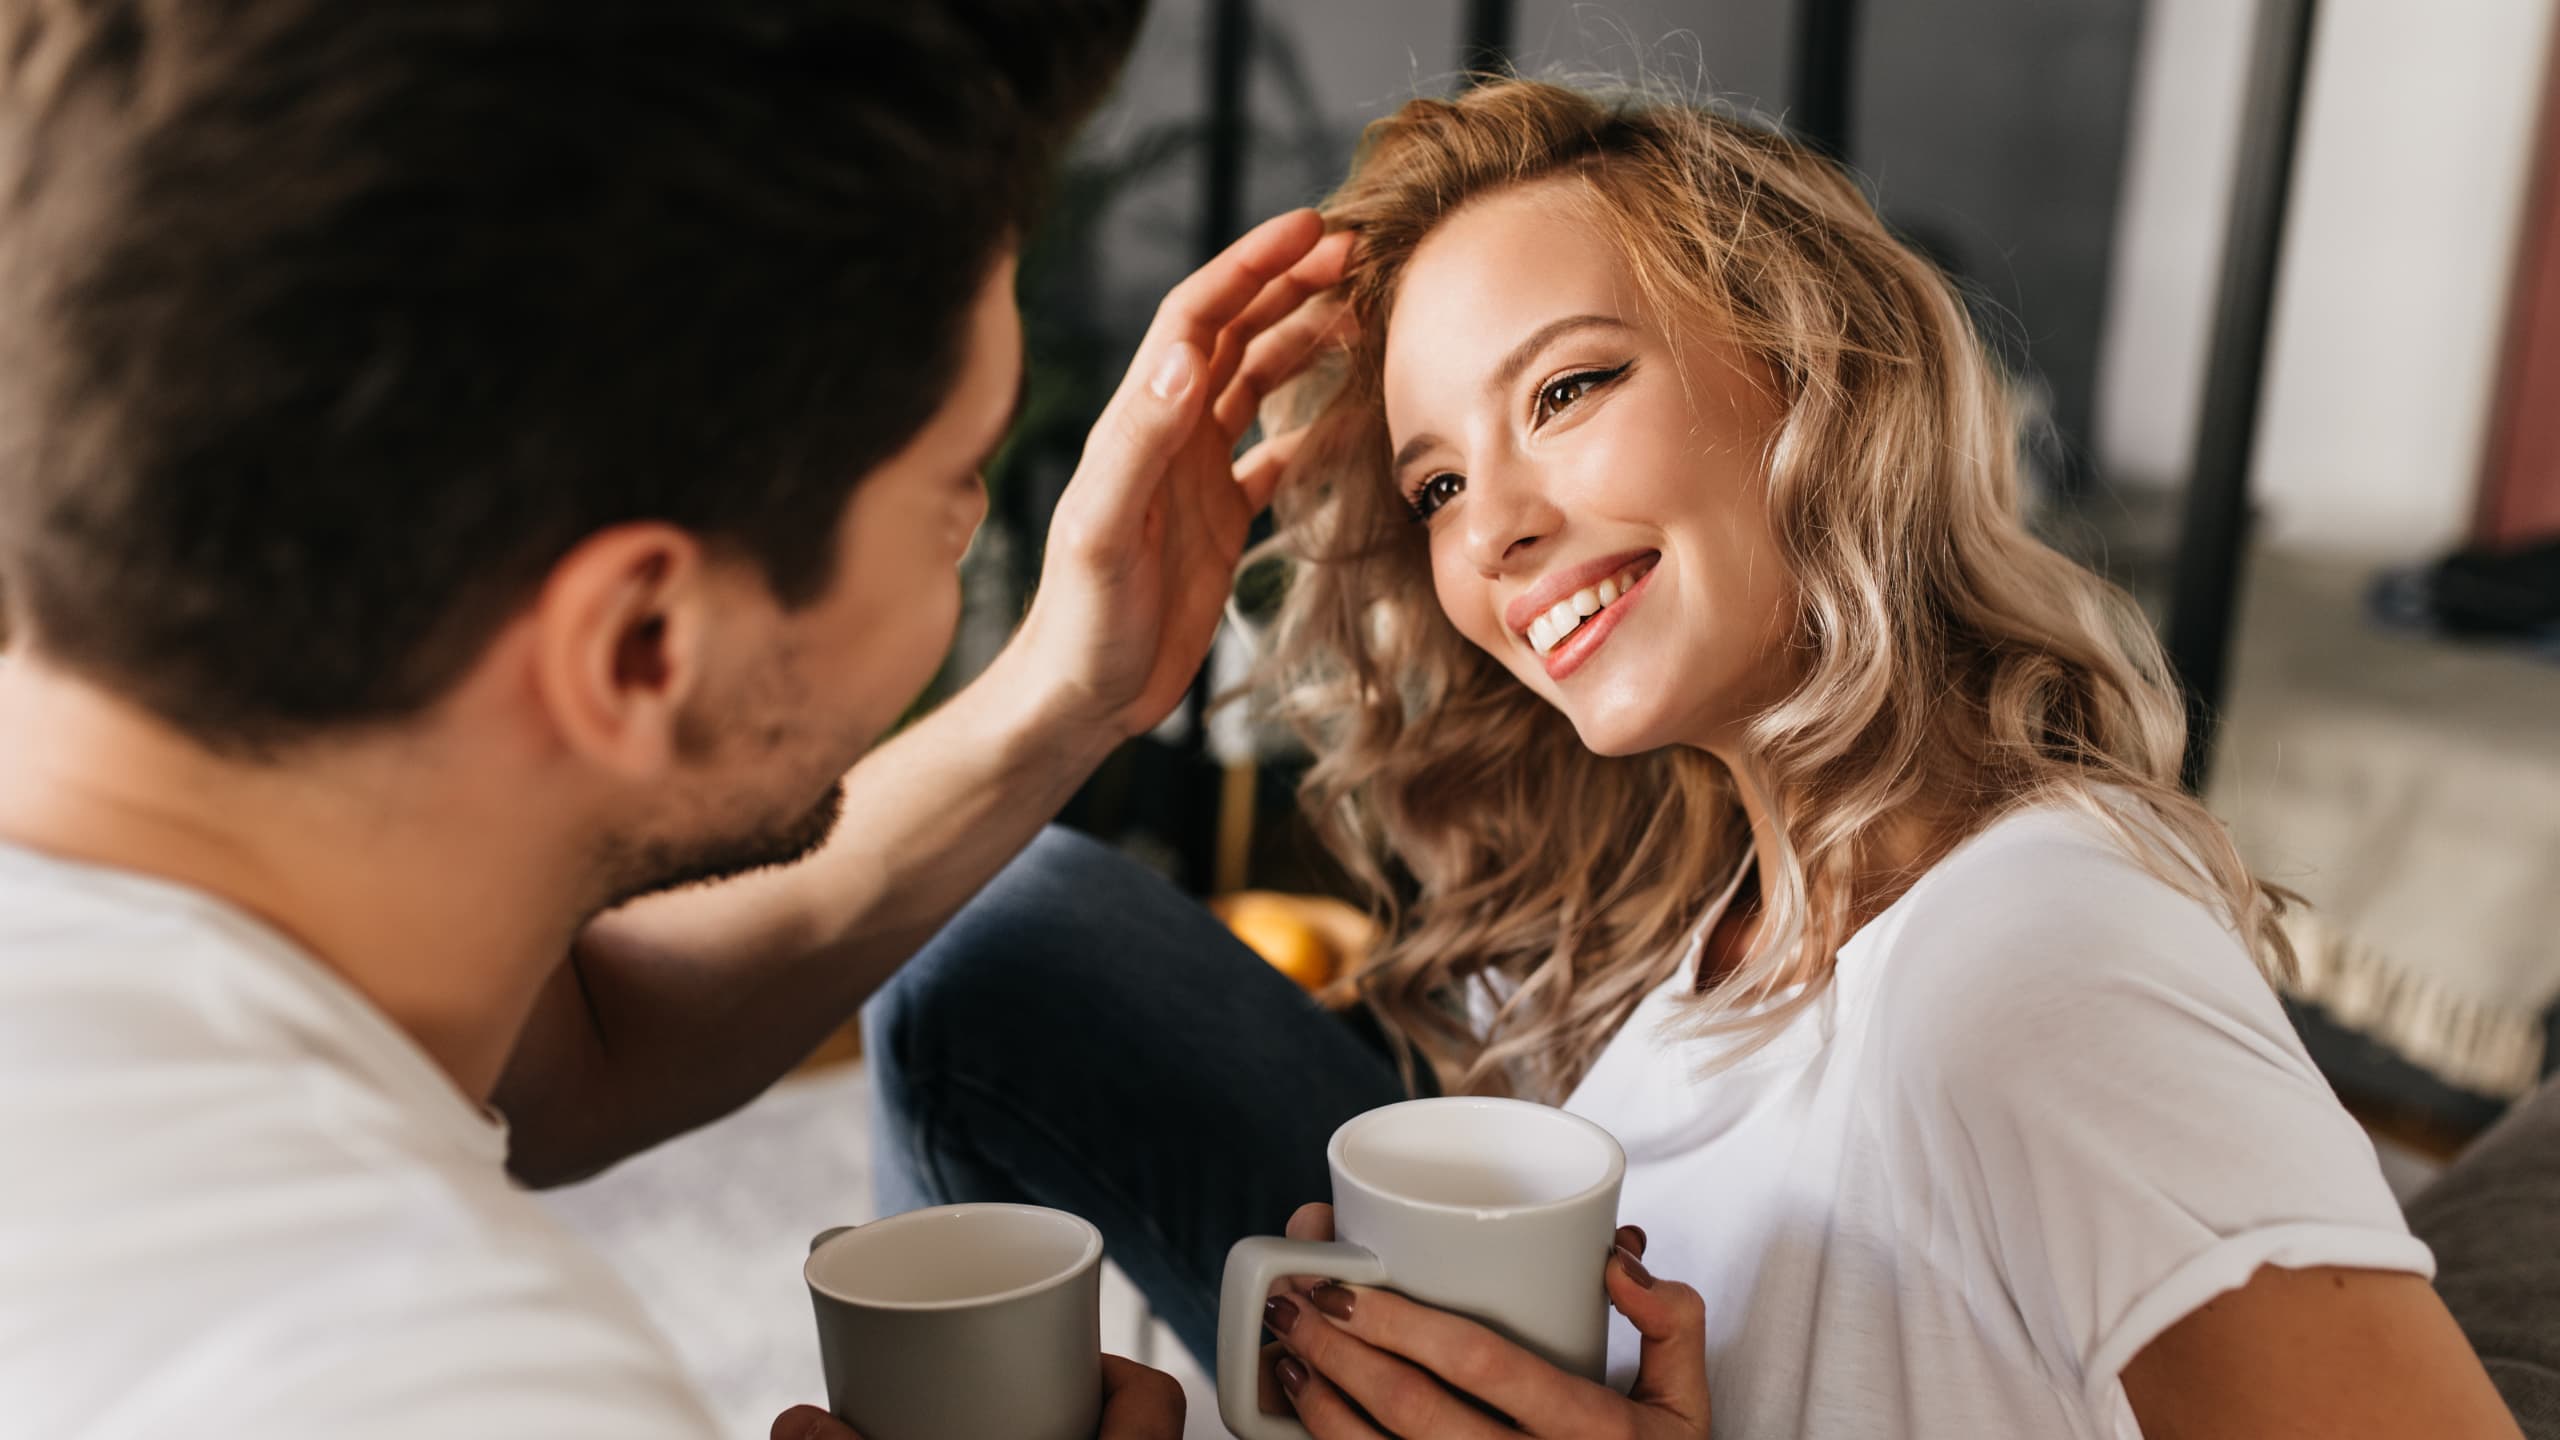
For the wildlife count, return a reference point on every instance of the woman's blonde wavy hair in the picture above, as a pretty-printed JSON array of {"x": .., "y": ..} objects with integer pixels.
[{"x": 1952, "y": 665}]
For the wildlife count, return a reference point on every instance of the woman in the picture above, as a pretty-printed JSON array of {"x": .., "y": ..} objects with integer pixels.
[{"x": 1731, "y": 767}]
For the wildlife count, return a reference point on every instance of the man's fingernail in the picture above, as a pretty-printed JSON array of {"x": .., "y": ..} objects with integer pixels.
[
  {"x": 1293, "y": 1374},
  {"x": 1635, "y": 1267},
  {"x": 1279, "y": 1312},
  {"x": 1334, "y": 1300},
  {"x": 1173, "y": 372}
]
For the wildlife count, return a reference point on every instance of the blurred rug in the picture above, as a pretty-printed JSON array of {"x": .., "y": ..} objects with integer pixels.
[
  {"x": 709, "y": 1230},
  {"x": 2409, "y": 788}
]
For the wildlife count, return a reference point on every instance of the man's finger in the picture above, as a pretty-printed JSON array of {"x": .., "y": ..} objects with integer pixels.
[
  {"x": 1259, "y": 472},
  {"x": 1671, "y": 1324},
  {"x": 1139, "y": 1403},
  {"x": 1276, "y": 356},
  {"x": 808, "y": 1422},
  {"x": 1312, "y": 276},
  {"x": 1218, "y": 292},
  {"x": 1139, "y": 435},
  {"x": 1160, "y": 400}
]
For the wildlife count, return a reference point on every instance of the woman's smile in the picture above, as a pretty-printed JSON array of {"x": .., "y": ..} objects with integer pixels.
[{"x": 1568, "y": 635}]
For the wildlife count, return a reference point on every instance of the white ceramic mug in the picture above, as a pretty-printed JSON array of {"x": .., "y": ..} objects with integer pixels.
[
  {"x": 1500, "y": 1210},
  {"x": 962, "y": 1322}
]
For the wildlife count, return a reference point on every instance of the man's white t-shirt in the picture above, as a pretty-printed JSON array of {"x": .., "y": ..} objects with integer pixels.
[
  {"x": 235, "y": 1200},
  {"x": 2047, "y": 1109}
]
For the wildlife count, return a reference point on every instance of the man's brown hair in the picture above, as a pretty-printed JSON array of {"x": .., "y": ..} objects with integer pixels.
[{"x": 327, "y": 327}]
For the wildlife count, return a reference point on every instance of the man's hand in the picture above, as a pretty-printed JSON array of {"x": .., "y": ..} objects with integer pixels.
[
  {"x": 1143, "y": 548},
  {"x": 1137, "y": 1404},
  {"x": 1414, "y": 1370},
  {"x": 682, "y": 1007}
]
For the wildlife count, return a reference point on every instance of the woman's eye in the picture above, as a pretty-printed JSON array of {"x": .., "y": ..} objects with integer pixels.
[
  {"x": 1559, "y": 394},
  {"x": 1433, "y": 493}
]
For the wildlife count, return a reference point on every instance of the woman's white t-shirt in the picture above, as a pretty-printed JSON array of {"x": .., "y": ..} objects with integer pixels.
[{"x": 2047, "y": 1109}]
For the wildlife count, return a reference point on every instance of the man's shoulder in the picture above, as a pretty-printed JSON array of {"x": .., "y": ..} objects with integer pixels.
[
  {"x": 372, "y": 1358},
  {"x": 238, "y": 1202},
  {"x": 245, "y": 1263}
]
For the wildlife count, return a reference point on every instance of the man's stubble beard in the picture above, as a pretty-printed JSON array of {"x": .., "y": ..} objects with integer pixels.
[{"x": 657, "y": 866}]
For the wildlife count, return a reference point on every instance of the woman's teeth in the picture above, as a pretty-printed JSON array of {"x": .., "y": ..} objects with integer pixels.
[{"x": 1549, "y": 630}]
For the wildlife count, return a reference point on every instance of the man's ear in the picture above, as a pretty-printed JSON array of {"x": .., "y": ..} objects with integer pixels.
[{"x": 618, "y": 646}]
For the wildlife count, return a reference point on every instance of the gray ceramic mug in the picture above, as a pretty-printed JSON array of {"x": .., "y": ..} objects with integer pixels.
[
  {"x": 1500, "y": 1210},
  {"x": 962, "y": 1322}
]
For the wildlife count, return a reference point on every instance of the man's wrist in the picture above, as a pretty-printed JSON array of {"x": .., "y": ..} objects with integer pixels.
[{"x": 1034, "y": 717}]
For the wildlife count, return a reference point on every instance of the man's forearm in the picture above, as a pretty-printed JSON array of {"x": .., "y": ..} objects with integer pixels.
[{"x": 679, "y": 1008}]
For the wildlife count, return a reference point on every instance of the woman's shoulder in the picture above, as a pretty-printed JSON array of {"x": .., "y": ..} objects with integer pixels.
[
  {"x": 2051, "y": 926},
  {"x": 2052, "y": 877}
]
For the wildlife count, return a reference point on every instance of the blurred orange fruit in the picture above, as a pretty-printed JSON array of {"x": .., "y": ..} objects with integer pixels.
[{"x": 1276, "y": 928}]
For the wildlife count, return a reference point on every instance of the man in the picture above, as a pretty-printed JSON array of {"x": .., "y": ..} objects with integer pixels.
[{"x": 466, "y": 464}]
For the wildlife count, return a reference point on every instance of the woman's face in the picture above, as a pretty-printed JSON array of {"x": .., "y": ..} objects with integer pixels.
[{"x": 1595, "y": 527}]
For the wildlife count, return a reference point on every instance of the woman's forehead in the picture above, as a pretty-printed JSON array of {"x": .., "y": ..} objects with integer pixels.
[{"x": 1495, "y": 273}]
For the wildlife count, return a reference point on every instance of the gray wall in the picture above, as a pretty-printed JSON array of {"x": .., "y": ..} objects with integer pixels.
[{"x": 1992, "y": 131}]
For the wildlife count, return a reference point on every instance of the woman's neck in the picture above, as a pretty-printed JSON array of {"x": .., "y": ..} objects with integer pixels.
[{"x": 1899, "y": 850}]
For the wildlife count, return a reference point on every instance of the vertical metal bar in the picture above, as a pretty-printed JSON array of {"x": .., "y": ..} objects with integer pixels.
[
  {"x": 1826, "y": 70},
  {"x": 1485, "y": 39},
  {"x": 2214, "y": 536},
  {"x": 1195, "y": 807},
  {"x": 1222, "y": 154}
]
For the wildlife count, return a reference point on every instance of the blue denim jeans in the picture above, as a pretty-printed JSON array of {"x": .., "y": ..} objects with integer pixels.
[{"x": 1086, "y": 1037}]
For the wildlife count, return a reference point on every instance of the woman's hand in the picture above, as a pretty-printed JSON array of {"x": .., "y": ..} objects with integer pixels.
[{"x": 1413, "y": 1369}]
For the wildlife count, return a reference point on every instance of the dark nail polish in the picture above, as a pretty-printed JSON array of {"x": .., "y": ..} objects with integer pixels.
[
  {"x": 1279, "y": 1312},
  {"x": 1635, "y": 1267},
  {"x": 1293, "y": 1374},
  {"x": 1334, "y": 1300},
  {"x": 1632, "y": 1239}
]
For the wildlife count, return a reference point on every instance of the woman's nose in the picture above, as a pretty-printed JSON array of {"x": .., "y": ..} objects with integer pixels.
[{"x": 1508, "y": 516}]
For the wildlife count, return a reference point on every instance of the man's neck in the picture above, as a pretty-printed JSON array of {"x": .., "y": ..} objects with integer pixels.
[{"x": 418, "y": 885}]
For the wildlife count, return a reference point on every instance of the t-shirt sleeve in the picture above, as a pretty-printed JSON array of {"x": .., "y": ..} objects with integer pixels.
[{"x": 2108, "y": 1094}]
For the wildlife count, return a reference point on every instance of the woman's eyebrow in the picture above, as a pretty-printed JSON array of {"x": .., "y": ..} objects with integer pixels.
[
  {"x": 1509, "y": 370},
  {"x": 1542, "y": 337}
]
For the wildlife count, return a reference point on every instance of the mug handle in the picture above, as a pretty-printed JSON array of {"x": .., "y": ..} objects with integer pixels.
[{"x": 1253, "y": 1267}]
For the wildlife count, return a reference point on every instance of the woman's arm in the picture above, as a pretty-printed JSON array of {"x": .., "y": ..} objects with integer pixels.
[{"x": 2325, "y": 1352}]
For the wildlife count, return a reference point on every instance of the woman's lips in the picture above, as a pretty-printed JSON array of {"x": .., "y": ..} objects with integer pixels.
[
  {"x": 1572, "y": 607},
  {"x": 1557, "y": 585},
  {"x": 1591, "y": 634}
]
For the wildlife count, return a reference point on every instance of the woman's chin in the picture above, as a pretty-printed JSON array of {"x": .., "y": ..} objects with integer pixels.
[{"x": 1617, "y": 736}]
